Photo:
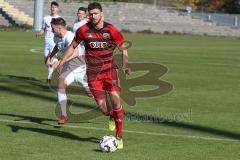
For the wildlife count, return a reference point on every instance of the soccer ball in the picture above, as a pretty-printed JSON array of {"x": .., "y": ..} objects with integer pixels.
[{"x": 108, "y": 144}]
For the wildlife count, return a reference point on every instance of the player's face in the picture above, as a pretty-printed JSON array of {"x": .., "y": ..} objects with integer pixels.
[
  {"x": 95, "y": 16},
  {"x": 58, "y": 30},
  {"x": 54, "y": 9},
  {"x": 81, "y": 15}
]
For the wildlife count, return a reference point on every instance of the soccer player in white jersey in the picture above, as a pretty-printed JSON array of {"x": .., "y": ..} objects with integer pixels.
[
  {"x": 73, "y": 70},
  {"x": 81, "y": 19},
  {"x": 47, "y": 30}
]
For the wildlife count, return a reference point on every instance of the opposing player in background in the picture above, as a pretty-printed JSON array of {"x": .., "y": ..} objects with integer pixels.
[
  {"x": 81, "y": 19},
  {"x": 48, "y": 34},
  {"x": 100, "y": 39},
  {"x": 73, "y": 70}
]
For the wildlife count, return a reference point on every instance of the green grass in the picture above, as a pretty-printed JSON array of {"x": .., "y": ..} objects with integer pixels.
[{"x": 204, "y": 103}]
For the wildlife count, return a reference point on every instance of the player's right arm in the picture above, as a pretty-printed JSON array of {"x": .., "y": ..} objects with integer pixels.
[
  {"x": 70, "y": 50},
  {"x": 75, "y": 54}
]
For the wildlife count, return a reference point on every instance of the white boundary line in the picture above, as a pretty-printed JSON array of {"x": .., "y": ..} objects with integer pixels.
[{"x": 129, "y": 131}]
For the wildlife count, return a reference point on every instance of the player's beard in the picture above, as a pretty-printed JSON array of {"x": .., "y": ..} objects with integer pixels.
[{"x": 95, "y": 24}]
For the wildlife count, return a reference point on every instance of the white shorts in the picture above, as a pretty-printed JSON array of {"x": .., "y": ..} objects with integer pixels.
[{"x": 78, "y": 75}]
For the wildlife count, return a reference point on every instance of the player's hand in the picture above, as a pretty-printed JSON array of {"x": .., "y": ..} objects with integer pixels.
[
  {"x": 59, "y": 67},
  {"x": 126, "y": 70},
  {"x": 39, "y": 33},
  {"x": 49, "y": 62}
]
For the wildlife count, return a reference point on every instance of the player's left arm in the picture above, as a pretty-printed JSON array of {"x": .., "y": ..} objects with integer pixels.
[
  {"x": 119, "y": 41},
  {"x": 125, "y": 67}
]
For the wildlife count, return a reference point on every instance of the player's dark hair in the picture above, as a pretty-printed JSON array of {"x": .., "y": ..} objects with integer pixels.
[
  {"x": 82, "y": 9},
  {"x": 58, "y": 21},
  {"x": 94, "y": 5},
  {"x": 54, "y": 3}
]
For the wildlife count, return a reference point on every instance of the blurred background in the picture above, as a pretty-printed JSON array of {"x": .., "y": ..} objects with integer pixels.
[{"x": 196, "y": 17}]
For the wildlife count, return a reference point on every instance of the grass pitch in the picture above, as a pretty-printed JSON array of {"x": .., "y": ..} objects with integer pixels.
[{"x": 198, "y": 119}]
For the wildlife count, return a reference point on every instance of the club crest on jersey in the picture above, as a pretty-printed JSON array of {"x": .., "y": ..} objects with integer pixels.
[{"x": 106, "y": 35}]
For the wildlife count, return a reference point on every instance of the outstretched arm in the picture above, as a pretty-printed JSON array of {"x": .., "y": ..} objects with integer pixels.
[
  {"x": 69, "y": 52},
  {"x": 120, "y": 44}
]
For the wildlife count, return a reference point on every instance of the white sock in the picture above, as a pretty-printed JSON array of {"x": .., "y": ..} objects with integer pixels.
[
  {"x": 62, "y": 100},
  {"x": 50, "y": 72}
]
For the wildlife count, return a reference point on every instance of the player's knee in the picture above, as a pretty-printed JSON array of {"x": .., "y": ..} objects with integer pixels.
[
  {"x": 102, "y": 106},
  {"x": 115, "y": 98},
  {"x": 101, "y": 103},
  {"x": 61, "y": 83}
]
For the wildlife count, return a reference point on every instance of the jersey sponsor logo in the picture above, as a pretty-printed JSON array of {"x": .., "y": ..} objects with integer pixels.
[{"x": 98, "y": 44}]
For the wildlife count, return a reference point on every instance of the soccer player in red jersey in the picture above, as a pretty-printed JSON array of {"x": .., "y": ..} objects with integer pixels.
[{"x": 101, "y": 39}]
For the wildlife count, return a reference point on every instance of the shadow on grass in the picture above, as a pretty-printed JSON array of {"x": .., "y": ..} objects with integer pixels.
[
  {"x": 55, "y": 133},
  {"x": 37, "y": 120},
  {"x": 180, "y": 125},
  {"x": 203, "y": 129},
  {"x": 98, "y": 150},
  {"x": 31, "y": 87},
  {"x": 37, "y": 84},
  {"x": 163, "y": 121}
]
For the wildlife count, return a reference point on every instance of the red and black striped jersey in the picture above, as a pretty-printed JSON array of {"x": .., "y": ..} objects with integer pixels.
[{"x": 99, "y": 45}]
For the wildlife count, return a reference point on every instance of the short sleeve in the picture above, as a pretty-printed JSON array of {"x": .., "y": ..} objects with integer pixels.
[
  {"x": 117, "y": 36},
  {"x": 70, "y": 39}
]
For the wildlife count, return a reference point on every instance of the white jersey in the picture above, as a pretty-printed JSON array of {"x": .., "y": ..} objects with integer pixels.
[
  {"x": 64, "y": 42},
  {"x": 47, "y": 27},
  {"x": 74, "y": 69},
  {"x": 77, "y": 24}
]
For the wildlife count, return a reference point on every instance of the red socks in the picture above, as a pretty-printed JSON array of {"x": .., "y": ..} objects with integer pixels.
[{"x": 118, "y": 118}]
